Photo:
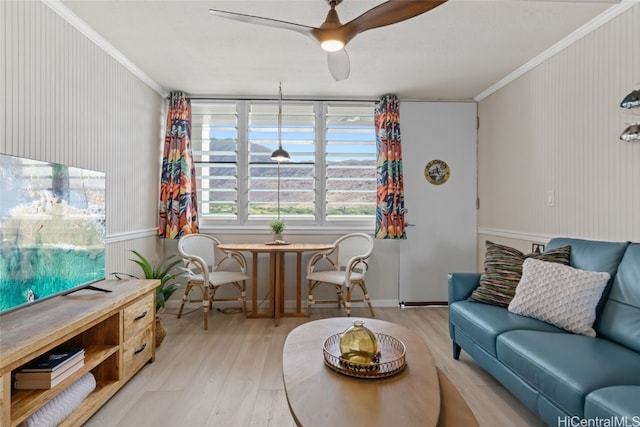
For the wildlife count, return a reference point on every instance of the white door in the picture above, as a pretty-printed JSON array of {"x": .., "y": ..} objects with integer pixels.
[{"x": 444, "y": 232}]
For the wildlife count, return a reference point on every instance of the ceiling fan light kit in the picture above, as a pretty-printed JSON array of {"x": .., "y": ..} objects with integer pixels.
[
  {"x": 332, "y": 45},
  {"x": 333, "y": 36},
  {"x": 328, "y": 33}
]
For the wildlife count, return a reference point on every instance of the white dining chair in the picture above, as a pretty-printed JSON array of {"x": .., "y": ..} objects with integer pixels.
[
  {"x": 202, "y": 270},
  {"x": 347, "y": 264}
]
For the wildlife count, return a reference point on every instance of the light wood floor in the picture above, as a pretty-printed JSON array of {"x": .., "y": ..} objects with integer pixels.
[{"x": 231, "y": 375}]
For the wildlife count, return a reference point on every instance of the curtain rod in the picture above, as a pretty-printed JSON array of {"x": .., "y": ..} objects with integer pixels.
[{"x": 260, "y": 98}]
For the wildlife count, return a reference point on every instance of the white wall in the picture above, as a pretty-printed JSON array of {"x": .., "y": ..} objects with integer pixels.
[
  {"x": 383, "y": 275},
  {"x": 556, "y": 128},
  {"x": 66, "y": 100},
  {"x": 429, "y": 128}
]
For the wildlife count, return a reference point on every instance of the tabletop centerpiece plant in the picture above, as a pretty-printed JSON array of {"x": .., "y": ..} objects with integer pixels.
[{"x": 277, "y": 227}]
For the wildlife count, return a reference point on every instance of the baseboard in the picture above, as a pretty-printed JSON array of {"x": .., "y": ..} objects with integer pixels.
[
  {"x": 174, "y": 304},
  {"x": 407, "y": 304}
]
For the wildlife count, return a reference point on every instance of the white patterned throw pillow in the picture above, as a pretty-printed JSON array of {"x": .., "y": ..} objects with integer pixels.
[{"x": 558, "y": 294}]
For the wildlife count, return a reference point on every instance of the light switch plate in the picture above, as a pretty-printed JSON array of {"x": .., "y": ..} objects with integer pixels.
[{"x": 551, "y": 198}]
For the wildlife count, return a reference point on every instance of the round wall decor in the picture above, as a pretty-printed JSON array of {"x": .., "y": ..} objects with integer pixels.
[{"x": 437, "y": 172}]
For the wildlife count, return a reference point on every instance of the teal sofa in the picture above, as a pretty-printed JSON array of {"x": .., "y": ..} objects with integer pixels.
[{"x": 563, "y": 377}]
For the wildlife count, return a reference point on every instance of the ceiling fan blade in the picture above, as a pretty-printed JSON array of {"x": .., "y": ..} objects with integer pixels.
[
  {"x": 389, "y": 13},
  {"x": 339, "y": 65},
  {"x": 276, "y": 23}
]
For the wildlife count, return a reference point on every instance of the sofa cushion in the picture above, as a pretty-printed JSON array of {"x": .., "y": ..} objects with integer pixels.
[
  {"x": 559, "y": 294},
  {"x": 485, "y": 322},
  {"x": 567, "y": 367},
  {"x": 617, "y": 401},
  {"x": 592, "y": 255},
  {"x": 620, "y": 318},
  {"x": 503, "y": 269}
]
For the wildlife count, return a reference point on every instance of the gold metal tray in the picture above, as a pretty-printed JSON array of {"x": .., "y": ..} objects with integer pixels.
[{"x": 391, "y": 361}]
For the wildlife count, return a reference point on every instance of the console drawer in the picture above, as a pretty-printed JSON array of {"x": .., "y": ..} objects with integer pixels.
[
  {"x": 138, "y": 316},
  {"x": 138, "y": 350}
]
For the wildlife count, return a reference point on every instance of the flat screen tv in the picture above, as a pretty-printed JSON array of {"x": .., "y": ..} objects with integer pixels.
[{"x": 52, "y": 230}]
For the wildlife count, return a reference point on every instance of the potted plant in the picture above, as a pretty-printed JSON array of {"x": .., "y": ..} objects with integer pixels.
[
  {"x": 165, "y": 271},
  {"x": 277, "y": 227}
]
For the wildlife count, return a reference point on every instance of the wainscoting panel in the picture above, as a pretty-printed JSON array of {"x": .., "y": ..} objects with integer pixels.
[
  {"x": 550, "y": 159},
  {"x": 119, "y": 254}
]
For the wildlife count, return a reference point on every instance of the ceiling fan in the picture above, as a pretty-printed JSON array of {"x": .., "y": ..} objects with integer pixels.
[{"x": 333, "y": 35}]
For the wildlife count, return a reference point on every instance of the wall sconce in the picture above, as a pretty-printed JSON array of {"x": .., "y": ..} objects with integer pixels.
[
  {"x": 631, "y": 133},
  {"x": 632, "y": 100}
]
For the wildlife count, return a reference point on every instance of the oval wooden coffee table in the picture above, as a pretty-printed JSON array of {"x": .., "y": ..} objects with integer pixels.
[{"x": 319, "y": 396}]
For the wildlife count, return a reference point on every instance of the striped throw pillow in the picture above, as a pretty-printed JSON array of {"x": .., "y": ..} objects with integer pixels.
[{"x": 503, "y": 270}]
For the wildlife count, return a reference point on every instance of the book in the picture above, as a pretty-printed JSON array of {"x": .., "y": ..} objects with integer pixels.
[
  {"x": 50, "y": 375},
  {"x": 46, "y": 383},
  {"x": 54, "y": 360}
]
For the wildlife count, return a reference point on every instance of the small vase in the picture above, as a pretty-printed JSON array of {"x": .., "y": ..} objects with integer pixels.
[
  {"x": 277, "y": 236},
  {"x": 358, "y": 344}
]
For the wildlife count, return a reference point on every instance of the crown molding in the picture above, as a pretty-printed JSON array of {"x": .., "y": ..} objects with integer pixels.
[
  {"x": 65, "y": 13},
  {"x": 578, "y": 34}
]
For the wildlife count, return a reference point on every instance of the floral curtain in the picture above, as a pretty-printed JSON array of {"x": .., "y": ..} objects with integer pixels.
[
  {"x": 390, "y": 184},
  {"x": 178, "y": 200}
]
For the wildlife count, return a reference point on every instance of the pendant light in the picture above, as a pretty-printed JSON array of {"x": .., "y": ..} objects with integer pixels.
[{"x": 280, "y": 154}]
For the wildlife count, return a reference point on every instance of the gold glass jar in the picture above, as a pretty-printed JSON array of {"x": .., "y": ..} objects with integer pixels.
[{"x": 358, "y": 344}]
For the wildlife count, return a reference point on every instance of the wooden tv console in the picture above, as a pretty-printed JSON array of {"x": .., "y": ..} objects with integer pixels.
[{"x": 116, "y": 329}]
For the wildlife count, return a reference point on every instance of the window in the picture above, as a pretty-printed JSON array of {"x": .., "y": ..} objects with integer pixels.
[
  {"x": 214, "y": 135},
  {"x": 297, "y": 178},
  {"x": 330, "y": 181},
  {"x": 350, "y": 161}
]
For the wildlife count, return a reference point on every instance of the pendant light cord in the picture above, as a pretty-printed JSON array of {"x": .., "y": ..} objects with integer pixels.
[{"x": 279, "y": 138}]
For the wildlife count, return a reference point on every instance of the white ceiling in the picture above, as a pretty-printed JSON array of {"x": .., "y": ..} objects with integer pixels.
[{"x": 454, "y": 52}]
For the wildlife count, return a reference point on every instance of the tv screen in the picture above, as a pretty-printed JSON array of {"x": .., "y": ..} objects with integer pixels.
[{"x": 52, "y": 230}]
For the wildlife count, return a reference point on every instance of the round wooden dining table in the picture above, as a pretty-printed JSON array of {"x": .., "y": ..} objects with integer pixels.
[{"x": 276, "y": 277}]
